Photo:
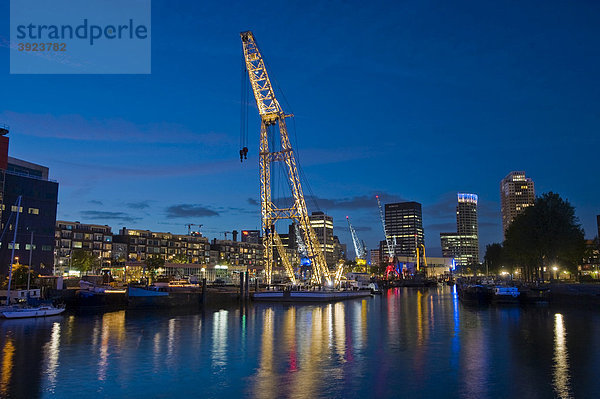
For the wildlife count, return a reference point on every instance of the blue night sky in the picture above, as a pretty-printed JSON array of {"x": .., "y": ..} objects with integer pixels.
[{"x": 410, "y": 100}]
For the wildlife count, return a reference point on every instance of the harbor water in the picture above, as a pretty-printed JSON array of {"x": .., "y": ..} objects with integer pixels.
[{"x": 406, "y": 343}]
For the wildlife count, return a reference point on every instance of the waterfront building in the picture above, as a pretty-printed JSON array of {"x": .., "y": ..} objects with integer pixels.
[
  {"x": 37, "y": 213},
  {"x": 143, "y": 243},
  {"x": 375, "y": 257},
  {"x": 92, "y": 238},
  {"x": 517, "y": 192},
  {"x": 238, "y": 256},
  {"x": 591, "y": 261},
  {"x": 463, "y": 245},
  {"x": 404, "y": 225},
  {"x": 252, "y": 236},
  {"x": 450, "y": 244},
  {"x": 436, "y": 266}
]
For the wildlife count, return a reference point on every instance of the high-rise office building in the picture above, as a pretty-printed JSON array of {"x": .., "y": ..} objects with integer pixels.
[
  {"x": 467, "y": 228},
  {"x": 322, "y": 224},
  {"x": 37, "y": 213},
  {"x": 450, "y": 245},
  {"x": 464, "y": 244},
  {"x": 404, "y": 225},
  {"x": 517, "y": 192}
]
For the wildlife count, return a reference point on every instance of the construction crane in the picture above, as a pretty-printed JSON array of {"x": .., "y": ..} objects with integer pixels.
[
  {"x": 189, "y": 226},
  {"x": 419, "y": 256},
  {"x": 289, "y": 269},
  {"x": 359, "y": 246},
  {"x": 391, "y": 268},
  {"x": 272, "y": 125}
]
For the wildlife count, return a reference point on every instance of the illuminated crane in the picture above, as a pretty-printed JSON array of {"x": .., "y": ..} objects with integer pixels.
[
  {"x": 391, "y": 268},
  {"x": 272, "y": 125},
  {"x": 419, "y": 256},
  {"x": 359, "y": 246}
]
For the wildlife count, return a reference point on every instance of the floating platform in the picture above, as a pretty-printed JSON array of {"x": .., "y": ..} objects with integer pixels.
[{"x": 307, "y": 296}]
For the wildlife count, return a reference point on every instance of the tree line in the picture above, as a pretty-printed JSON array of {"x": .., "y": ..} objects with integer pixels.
[{"x": 544, "y": 235}]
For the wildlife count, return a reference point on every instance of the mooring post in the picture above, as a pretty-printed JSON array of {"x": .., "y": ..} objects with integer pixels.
[
  {"x": 241, "y": 286},
  {"x": 247, "y": 285},
  {"x": 203, "y": 291}
]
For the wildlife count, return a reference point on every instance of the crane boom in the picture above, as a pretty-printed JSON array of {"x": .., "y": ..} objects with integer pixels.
[
  {"x": 273, "y": 122},
  {"x": 388, "y": 240},
  {"x": 359, "y": 246}
]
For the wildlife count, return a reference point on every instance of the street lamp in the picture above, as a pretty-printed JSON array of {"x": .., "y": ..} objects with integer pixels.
[{"x": 555, "y": 269}]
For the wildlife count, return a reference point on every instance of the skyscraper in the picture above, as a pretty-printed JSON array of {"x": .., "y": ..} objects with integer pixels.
[
  {"x": 404, "y": 225},
  {"x": 464, "y": 244},
  {"x": 322, "y": 224},
  {"x": 467, "y": 229},
  {"x": 517, "y": 192}
]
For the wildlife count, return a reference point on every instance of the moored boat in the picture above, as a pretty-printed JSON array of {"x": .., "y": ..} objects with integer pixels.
[
  {"x": 37, "y": 311},
  {"x": 308, "y": 296},
  {"x": 505, "y": 294}
]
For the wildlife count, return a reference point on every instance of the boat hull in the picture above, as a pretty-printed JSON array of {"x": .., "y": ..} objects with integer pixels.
[
  {"x": 23, "y": 313},
  {"x": 308, "y": 296}
]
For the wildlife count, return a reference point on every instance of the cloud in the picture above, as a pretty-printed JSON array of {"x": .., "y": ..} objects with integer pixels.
[
  {"x": 95, "y": 202},
  {"x": 189, "y": 210},
  {"x": 138, "y": 205},
  {"x": 252, "y": 201},
  {"x": 77, "y": 127},
  {"x": 106, "y": 215},
  {"x": 444, "y": 208},
  {"x": 357, "y": 202}
]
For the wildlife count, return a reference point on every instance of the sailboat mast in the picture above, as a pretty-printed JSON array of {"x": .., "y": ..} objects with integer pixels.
[{"x": 12, "y": 253}]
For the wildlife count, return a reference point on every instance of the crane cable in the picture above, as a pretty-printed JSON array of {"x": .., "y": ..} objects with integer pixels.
[{"x": 244, "y": 103}]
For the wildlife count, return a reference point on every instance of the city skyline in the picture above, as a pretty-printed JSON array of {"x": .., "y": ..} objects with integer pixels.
[{"x": 153, "y": 152}]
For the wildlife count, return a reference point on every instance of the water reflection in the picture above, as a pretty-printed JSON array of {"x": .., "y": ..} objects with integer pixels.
[
  {"x": 561, "y": 378},
  {"x": 112, "y": 335},
  {"x": 219, "y": 338},
  {"x": 409, "y": 343},
  {"x": 8, "y": 352},
  {"x": 51, "y": 353}
]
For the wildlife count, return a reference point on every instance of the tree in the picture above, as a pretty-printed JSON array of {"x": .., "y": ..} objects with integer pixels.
[
  {"x": 545, "y": 235},
  {"x": 153, "y": 262},
  {"x": 180, "y": 258},
  {"x": 19, "y": 276},
  {"x": 82, "y": 260},
  {"x": 494, "y": 257}
]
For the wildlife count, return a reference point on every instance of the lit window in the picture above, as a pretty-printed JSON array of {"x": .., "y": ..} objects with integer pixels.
[
  {"x": 14, "y": 209},
  {"x": 33, "y": 211}
]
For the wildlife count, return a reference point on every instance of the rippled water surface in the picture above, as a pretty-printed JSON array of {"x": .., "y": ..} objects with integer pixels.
[{"x": 406, "y": 343}]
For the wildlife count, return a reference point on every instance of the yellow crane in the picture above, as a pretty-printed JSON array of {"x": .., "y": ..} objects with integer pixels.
[
  {"x": 272, "y": 125},
  {"x": 419, "y": 257}
]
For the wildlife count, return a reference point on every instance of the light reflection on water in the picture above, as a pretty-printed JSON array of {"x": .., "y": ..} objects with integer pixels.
[
  {"x": 561, "y": 376},
  {"x": 408, "y": 342}
]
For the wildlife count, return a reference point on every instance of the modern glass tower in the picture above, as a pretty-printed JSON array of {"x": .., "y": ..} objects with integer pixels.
[
  {"x": 404, "y": 224},
  {"x": 463, "y": 245}
]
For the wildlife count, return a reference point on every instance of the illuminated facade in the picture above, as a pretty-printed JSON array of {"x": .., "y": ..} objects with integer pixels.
[
  {"x": 142, "y": 243},
  {"x": 322, "y": 224},
  {"x": 404, "y": 224},
  {"x": 92, "y": 238},
  {"x": 464, "y": 244},
  {"x": 517, "y": 192},
  {"x": 375, "y": 257},
  {"x": 37, "y": 213}
]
